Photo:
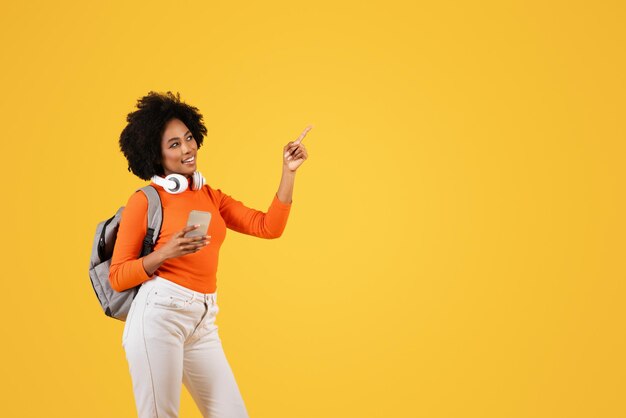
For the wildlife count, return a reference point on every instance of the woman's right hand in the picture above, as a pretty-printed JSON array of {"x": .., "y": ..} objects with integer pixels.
[{"x": 178, "y": 245}]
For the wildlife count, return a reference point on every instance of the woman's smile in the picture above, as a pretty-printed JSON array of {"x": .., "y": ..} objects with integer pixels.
[{"x": 190, "y": 161}]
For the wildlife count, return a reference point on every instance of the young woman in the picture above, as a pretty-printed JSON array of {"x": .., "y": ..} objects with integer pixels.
[{"x": 170, "y": 336}]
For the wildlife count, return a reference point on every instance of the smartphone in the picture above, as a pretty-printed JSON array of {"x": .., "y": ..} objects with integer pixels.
[{"x": 197, "y": 217}]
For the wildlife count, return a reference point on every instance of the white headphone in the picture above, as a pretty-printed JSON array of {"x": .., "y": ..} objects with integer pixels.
[{"x": 177, "y": 183}]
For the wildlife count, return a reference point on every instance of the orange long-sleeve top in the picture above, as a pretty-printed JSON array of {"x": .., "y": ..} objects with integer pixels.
[{"x": 196, "y": 271}]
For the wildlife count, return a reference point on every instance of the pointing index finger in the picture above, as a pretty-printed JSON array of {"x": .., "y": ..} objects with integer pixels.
[{"x": 302, "y": 135}]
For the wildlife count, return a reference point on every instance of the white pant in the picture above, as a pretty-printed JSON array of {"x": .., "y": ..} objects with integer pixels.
[{"x": 170, "y": 336}]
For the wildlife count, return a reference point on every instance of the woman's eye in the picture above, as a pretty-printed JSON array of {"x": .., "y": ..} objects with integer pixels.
[{"x": 190, "y": 137}]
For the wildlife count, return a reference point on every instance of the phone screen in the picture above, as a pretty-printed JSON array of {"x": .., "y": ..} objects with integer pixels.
[{"x": 197, "y": 217}]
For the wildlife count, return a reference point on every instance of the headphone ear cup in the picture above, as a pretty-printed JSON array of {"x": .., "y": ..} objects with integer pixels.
[
  {"x": 177, "y": 183},
  {"x": 198, "y": 180}
]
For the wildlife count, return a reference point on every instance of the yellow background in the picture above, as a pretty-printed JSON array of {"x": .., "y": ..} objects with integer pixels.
[{"x": 456, "y": 241}]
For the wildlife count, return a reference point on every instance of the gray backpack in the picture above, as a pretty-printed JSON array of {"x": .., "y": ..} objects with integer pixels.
[{"x": 117, "y": 304}]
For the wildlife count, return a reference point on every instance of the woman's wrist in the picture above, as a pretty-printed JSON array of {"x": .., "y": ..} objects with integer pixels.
[
  {"x": 153, "y": 261},
  {"x": 285, "y": 188},
  {"x": 162, "y": 257},
  {"x": 288, "y": 172}
]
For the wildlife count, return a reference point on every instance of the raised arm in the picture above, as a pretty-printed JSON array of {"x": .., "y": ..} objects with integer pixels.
[
  {"x": 241, "y": 218},
  {"x": 270, "y": 224}
]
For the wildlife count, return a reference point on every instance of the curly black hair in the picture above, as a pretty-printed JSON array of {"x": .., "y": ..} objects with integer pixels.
[{"x": 140, "y": 141}]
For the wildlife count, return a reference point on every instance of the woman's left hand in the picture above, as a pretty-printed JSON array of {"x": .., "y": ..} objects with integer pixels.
[{"x": 294, "y": 153}]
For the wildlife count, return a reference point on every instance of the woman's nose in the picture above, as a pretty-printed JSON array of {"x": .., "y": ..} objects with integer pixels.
[{"x": 186, "y": 148}]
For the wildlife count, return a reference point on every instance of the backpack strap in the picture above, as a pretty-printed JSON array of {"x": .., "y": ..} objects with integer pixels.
[
  {"x": 155, "y": 219},
  {"x": 101, "y": 240}
]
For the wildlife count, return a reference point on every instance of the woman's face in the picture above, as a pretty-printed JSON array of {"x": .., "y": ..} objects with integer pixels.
[{"x": 178, "y": 146}]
